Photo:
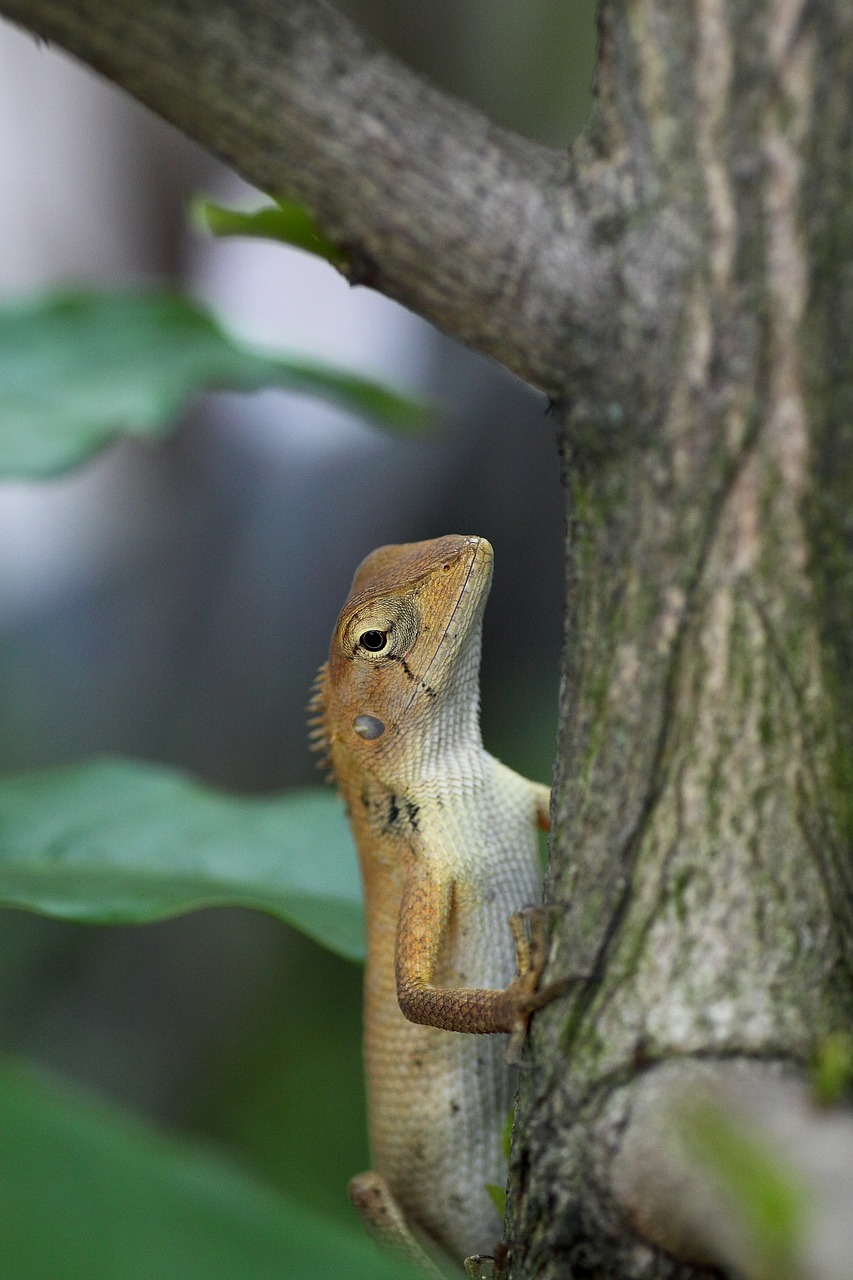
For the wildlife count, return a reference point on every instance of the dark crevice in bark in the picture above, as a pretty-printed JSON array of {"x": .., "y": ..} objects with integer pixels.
[
  {"x": 830, "y": 384},
  {"x": 657, "y": 772},
  {"x": 829, "y": 853}
]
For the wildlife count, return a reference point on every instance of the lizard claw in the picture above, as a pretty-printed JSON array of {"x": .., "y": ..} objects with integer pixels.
[
  {"x": 531, "y": 949},
  {"x": 526, "y": 1006},
  {"x": 529, "y": 933}
]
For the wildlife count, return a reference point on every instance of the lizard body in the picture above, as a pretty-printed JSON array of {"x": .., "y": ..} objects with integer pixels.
[{"x": 446, "y": 837}]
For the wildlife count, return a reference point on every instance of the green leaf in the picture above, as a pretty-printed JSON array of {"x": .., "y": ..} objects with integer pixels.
[
  {"x": 78, "y": 369},
  {"x": 123, "y": 842},
  {"x": 86, "y": 1193},
  {"x": 285, "y": 221},
  {"x": 497, "y": 1195},
  {"x": 832, "y": 1072},
  {"x": 506, "y": 1137}
]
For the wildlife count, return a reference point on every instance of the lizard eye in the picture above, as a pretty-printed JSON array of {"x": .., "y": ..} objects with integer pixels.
[{"x": 373, "y": 641}]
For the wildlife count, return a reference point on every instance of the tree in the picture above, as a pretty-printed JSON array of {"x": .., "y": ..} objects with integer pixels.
[{"x": 680, "y": 285}]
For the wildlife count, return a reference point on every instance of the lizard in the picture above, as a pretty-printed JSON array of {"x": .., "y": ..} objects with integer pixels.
[{"x": 446, "y": 837}]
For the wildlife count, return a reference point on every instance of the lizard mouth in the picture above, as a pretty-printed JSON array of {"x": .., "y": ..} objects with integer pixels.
[{"x": 470, "y": 601}]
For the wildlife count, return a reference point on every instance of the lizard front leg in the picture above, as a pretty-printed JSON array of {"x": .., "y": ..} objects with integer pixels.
[
  {"x": 421, "y": 929},
  {"x": 542, "y": 798}
]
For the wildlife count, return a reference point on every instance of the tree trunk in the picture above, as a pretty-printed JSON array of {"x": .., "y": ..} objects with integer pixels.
[
  {"x": 701, "y": 846},
  {"x": 682, "y": 287}
]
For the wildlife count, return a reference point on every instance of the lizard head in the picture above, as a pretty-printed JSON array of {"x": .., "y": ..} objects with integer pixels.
[{"x": 402, "y": 675}]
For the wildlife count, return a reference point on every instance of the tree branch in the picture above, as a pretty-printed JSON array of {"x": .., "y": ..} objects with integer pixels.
[
  {"x": 470, "y": 226},
  {"x": 723, "y": 1212}
]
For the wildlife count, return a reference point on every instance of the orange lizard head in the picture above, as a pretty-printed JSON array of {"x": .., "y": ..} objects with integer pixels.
[{"x": 403, "y": 669}]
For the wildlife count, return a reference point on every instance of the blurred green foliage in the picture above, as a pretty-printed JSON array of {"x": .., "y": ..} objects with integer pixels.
[
  {"x": 88, "y": 1194},
  {"x": 80, "y": 368},
  {"x": 285, "y": 221},
  {"x": 527, "y": 64},
  {"x": 832, "y": 1070},
  {"x": 289, "y": 1096},
  {"x": 84, "y": 1192},
  {"x": 117, "y": 841},
  {"x": 126, "y": 842}
]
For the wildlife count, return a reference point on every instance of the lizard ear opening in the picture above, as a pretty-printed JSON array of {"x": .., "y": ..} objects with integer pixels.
[{"x": 369, "y": 727}]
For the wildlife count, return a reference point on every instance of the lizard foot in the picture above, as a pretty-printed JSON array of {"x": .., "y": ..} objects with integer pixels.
[
  {"x": 529, "y": 933},
  {"x": 530, "y": 938}
]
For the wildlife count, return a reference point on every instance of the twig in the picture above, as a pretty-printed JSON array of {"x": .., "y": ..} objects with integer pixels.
[{"x": 467, "y": 224}]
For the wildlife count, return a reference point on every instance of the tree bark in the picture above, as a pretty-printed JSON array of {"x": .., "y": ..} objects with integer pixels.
[
  {"x": 682, "y": 286},
  {"x": 702, "y": 813},
  {"x": 748, "y": 1112}
]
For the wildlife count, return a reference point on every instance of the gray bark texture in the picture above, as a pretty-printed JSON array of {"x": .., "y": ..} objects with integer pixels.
[
  {"x": 681, "y": 284},
  {"x": 702, "y": 825}
]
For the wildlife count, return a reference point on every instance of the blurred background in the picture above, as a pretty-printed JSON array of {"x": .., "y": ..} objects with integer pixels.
[{"x": 173, "y": 602}]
